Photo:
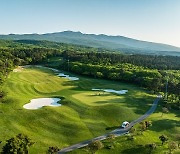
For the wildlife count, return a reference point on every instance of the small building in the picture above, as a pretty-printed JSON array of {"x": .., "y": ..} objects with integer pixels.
[{"x": 125, "y": 124}]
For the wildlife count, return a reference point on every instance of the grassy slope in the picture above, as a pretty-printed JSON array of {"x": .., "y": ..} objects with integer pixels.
[
  {"x": 82, "y": 116},
  {"x": 168, "y": 124}
]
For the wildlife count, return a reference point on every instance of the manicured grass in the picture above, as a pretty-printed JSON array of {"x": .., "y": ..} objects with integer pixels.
[
  {"x": 82, "y": 116},
  {"x": 168, "y": 124}
]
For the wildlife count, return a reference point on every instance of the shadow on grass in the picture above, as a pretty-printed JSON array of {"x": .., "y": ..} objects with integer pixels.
[
  {"x": 178, "y": 116},
  {"x": 135, "y": 98},
  {"x": 139, "y": 106},
  {"x": 164, "y": 124},
  {"x": 139, "y": 149},
  {"x": 112, "y": 128}
]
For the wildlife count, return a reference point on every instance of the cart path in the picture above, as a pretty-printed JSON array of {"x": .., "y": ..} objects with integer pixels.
[{"x": 116, "y": 132}]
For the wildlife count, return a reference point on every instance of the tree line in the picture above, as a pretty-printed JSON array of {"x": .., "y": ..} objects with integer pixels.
[
  {"x": 12, "y": 57},
  {"x": 111, "y": 58},
  {"x": 107, "y": 66},
  {"x": 151, "y": 72}
]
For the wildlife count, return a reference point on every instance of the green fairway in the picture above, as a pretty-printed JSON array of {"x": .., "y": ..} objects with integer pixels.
[
  {"x": 168, "y": 125},
  {"x": 83, "y": 115}
]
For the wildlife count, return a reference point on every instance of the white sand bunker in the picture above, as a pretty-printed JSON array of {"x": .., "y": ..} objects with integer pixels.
[
  {"x": 67, "y": 77},
  {"x": 18, "y": 69},
  {"x": 112, "y": 91},
  {"x": 40, "y": 102}
]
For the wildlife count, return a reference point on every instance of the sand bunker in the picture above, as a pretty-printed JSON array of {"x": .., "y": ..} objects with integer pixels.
[
  {"x": 40, "y": 102},
  {"x": 18, "y": 69},
  {"x": 112, "y": 91},
  {"x": 67, "y": 77}
]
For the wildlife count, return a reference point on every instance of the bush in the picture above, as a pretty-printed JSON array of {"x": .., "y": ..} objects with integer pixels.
[
  {"x": 172, "y": 146},
  {"x": 151, "y": 146},
  {"x": 53, "y": 150},
  {"x": 131, "y": 138},
  {"x": 95, "y": 145},
  {"x": 163, "y": 138},
  {"x": 111, "y": 136},
  {"x": 17, "y": 145}
]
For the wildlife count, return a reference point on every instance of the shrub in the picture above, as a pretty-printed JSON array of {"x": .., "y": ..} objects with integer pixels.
[
  {"x": 95, "y": 145},
  {"x": 19, "y": 144},
  {"x": 53, "y": 150}
]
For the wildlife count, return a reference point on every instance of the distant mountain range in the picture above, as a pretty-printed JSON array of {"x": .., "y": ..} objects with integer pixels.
[{"x": 119, "y": 43}]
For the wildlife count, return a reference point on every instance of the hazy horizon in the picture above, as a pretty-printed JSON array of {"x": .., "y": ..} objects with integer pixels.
[
  {"x": 152, "y": 21},
  {"x": 90, "y": 33}
]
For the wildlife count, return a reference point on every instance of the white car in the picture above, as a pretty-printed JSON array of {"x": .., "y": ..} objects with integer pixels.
[{"x": 125, "y": 124}]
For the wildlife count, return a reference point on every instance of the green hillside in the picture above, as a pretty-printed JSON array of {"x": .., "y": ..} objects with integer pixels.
[
  {"x": 119, "y": 43},
  {"x": 83, "y": 114}
]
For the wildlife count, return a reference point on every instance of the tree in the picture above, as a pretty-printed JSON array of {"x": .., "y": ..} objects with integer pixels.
[
  {"x": 142, "y": 127},
  {"x": 177, "y": 137},
  {"x": 172, "y": 146},
  {"x": 132, "y": 131},
  {"x": 130, "y": 137},
  {"x": 95, "y": 145},
  {"x": 110, "y": 139},
  {"x": 111, "y": 136},
  {"x": 2, "y": 94},
  {"x": 99, "y": 74},
  {"x": 148, "y": 124},
  {"x": 164, "y": 110},
  {"x": 17, "y": 145},
  {"x": 151, "y": 147},
  {"x": 163, "y": 138},
  {"x": 53, "y": 150}
]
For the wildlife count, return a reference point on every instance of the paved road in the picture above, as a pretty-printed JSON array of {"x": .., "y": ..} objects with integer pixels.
[{"x": 116, "y": 132}]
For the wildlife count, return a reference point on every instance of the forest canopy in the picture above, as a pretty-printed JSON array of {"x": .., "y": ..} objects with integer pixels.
[{"x": 148, "y": 71}]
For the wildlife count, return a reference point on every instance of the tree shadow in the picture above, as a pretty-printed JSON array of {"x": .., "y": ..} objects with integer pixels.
[
  {"x": 137, "y": 105},
  {"x": 164, "y": 124},
  {"x": 178, "y": 116},
  {"x": 139, "y": 149},
  {"x": 112, "y": 128}
]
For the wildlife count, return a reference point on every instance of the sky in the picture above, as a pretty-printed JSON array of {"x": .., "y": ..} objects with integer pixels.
[{"x": 150, "y": 20}]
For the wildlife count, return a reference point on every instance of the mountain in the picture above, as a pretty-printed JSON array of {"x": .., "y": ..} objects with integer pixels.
[{"x": 120, "y": 43}]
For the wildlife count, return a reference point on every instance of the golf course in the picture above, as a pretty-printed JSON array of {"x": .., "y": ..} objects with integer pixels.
[
  {"x": 90, "y": 77},
  {"x": 83, "y": 113}
]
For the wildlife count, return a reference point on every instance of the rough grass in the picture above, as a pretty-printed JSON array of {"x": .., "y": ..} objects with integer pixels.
[
  {"x": 82, "y": 116},
  {"x": 168, "y": 124}
]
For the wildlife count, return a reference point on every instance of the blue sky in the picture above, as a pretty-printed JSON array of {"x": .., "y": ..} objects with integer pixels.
[{"x": 151, "y": 20}]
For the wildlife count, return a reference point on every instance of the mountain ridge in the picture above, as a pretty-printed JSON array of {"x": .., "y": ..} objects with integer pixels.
[{"x": 96, "y": 40}]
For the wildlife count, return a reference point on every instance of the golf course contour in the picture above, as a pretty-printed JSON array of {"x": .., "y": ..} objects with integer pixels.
[
  {"x": 85, "y": 109},
  {"x": 40, "y": 102},
  {"x": 116, "y": 132}
]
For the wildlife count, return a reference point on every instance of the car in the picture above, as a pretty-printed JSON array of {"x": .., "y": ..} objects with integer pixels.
[{"x": 125, "y": 124}]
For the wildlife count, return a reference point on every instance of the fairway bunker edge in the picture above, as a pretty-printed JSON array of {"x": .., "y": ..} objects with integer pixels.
[{"x": 41, "y": 102}]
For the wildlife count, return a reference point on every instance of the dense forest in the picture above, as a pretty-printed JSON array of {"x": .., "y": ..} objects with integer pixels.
[
  {"x": 118, "y": 43},
  {"x": 109, "y": 58},
  {"x": 151, "y": 72}
]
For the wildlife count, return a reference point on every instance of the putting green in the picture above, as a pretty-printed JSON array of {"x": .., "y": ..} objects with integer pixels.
[{"x": 83, "y": 114}]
